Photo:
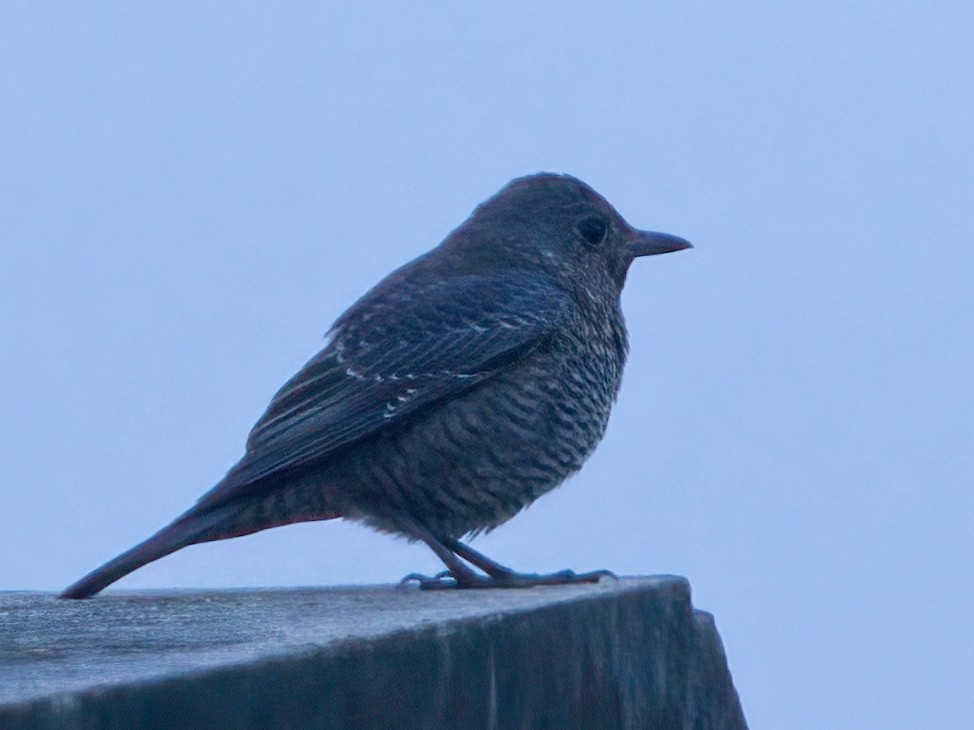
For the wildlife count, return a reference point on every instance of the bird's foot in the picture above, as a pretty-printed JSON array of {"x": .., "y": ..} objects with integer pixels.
[
  {"x": 443, "y": 579},
  {"x": 503, "y": 579},
  {"x": 512, "y": 579}
]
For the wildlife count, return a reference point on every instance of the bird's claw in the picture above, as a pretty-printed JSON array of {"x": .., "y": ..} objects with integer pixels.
[
  {"x": 596, "y": 576},
  {"x": 446, "y": 580},
  {"x": 443, "y": 579},
  {"x": 562, "y": 577}
]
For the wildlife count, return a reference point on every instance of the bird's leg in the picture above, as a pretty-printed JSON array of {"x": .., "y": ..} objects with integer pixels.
[
  {"x": 462, "y": 575},
  {"x": 450, "y": 550},
  {"x": 490, "y": 567},
  {"x": 504, "y": 577}
]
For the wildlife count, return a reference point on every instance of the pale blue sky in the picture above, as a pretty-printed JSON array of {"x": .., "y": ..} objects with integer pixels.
[{"x": 193, "y": 192}]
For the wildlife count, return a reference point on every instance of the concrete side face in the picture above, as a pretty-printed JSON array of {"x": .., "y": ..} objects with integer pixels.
[{"x": 639, "y": 658}]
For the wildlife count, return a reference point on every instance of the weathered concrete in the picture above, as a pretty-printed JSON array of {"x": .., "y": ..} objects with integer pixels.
[{"x": 629, "y": 653}]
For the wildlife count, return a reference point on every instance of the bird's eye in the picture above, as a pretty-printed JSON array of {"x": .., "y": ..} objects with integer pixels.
[{"x": 593, "y": 229}]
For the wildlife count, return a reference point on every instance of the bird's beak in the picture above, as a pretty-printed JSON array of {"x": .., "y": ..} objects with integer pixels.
[{"x": 648, "y": 243}]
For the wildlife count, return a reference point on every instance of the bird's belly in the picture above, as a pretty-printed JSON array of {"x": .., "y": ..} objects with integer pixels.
[{"x": 478, "y": 459}]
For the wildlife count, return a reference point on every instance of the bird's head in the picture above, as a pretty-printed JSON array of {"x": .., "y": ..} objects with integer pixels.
[{"x": 559, "y": 224}]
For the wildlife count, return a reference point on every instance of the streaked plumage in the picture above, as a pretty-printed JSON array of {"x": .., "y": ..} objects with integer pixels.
[{"x": 453, "y": 394}]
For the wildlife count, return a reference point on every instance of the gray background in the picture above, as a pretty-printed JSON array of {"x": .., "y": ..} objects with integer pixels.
[{"x": 192, "y": 193}]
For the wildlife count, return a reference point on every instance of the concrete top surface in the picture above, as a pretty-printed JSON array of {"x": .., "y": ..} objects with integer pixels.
[{"x": 50, "y": 646}]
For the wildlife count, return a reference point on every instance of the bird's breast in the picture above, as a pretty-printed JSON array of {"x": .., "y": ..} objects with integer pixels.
[{"x": 475, "y": 460}]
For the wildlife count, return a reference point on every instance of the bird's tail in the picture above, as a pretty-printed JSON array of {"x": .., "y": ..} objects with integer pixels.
[{"x": 190, "y": 528}]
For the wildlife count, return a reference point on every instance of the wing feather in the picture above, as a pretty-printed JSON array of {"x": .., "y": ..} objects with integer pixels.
[{"x": 398, "y": 351}]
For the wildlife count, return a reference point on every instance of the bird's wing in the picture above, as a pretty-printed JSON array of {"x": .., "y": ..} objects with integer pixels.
[{"x": 392, "y": 356}]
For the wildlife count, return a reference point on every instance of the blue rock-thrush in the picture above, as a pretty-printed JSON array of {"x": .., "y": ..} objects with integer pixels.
[{"x": 460, "y": 389}]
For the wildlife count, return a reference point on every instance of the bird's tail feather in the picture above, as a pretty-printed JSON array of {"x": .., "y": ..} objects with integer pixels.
[{"x": 188, "y": 529}]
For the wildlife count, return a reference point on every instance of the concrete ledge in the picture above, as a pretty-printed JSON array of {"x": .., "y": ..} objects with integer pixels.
[{"x": 622, "y": 654}]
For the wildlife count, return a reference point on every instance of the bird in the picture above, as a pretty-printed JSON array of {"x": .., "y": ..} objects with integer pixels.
[{"x": 458, "y": 390}]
